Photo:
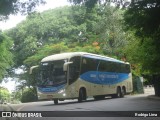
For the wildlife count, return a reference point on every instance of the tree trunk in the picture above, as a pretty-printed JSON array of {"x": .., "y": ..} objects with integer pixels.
[{"x": 156, "y": 82}]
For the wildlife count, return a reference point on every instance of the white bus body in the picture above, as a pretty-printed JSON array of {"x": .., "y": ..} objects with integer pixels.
[{"x": 81, "y": 75}]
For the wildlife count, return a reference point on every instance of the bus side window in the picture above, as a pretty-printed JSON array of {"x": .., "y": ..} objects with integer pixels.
[
  {"x": 127, "y": 67},
  {"x": 74, "y": 69},
  {"x": 107, "y": 66},
  {"x": 88, "y": 64},
  {"x": 102, "y": 66}
]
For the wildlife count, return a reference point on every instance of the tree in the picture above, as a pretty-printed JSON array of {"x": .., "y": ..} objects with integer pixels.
[
  {"x": 109, "y": 30},
  {"x": 133, "y": 51},
  {"x": 103, "y": 25},
  {"x": 8, "y": 7},
  {"x": 45, "y": 51},
  {"x": 4, "y": 94},
  {"x": 143, "y": 17},
  {"x": 6, "y": 57},
  {"x": 29, "y": 95},
  {"x": 16, "y": 97},
  {"x": 52, "y": 26},
  {"x": 91, "y": 3}
]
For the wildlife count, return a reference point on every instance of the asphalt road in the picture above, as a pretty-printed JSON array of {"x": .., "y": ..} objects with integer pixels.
[
  {"x": 108, "y": 108},
  {"x": 128, "y": 103}
]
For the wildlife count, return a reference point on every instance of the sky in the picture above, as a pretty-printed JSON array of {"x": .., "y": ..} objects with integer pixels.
[{"x": 14, "y": 20}]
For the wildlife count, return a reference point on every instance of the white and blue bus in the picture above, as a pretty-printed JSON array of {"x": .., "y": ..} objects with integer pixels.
[{"x": 78, "y": 75}]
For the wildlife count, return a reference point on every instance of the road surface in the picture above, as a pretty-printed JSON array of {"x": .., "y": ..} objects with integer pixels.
[{"x": 108, "y": 108}]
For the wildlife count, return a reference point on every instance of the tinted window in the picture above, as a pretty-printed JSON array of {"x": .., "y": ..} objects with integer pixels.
[
  {"x": 88, "y": 64},
  {"x": 109, "y": 66}
]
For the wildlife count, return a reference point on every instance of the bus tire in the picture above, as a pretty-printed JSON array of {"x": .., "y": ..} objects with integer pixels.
[
  {"x": 122, "y": 92},
  {"x": 55, "y": 101},
  {"x": 118, "y": 93},
  {"x": 82, "y": 95}
]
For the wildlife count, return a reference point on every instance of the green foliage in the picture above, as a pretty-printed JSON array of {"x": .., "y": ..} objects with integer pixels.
[
  {"x": 6, "y": 56},
  {"x": 142, "y": 17},
  {"x": 45, "y": 51},
  {"x": 38, "y": 30},
  {"x": 4, "y": 94},
  {"x": 16, "y": 96},
  {"x": 91, "y": 3},
  {"x": 150, "y": 56},
  {"x": 29, "y": 95},
  {"x": 110, "y": 30},
  {"x": 58, "y": 48},
  {"x": 8, "y": 7},
  {"x": 133, "y": 52}
]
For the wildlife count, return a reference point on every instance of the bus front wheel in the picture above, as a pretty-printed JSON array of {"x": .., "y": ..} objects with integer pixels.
[
  {"x": 118, "y": 93},
  {"x": 82, "y": 95}
]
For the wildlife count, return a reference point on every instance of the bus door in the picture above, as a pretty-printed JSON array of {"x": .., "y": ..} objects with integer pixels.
[{"x": 74, "y": 71}]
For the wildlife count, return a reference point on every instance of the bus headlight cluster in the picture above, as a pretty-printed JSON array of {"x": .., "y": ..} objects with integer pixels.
[
  {"x": 62, "y": 91},
  {"x": 64, "y": 94}
]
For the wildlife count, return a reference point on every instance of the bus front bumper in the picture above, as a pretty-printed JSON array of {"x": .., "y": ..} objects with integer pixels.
[{"x": 51, "y": 96}]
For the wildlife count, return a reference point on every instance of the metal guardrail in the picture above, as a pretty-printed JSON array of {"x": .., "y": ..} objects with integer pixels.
[
  {"x": 148, "y": 86},
  {"x": 149, "y": 89}
]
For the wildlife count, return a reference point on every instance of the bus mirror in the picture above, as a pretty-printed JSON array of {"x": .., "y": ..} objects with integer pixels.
[
  {"x": 65, "y": 66},
  {"x": 32, "y": 68}
]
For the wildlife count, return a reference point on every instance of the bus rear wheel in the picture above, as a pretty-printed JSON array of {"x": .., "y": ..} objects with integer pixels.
[
  {"x": 82, "y": 95},
  {"x": 55, "y": 101},
  {"x": 123, "y": 92}
]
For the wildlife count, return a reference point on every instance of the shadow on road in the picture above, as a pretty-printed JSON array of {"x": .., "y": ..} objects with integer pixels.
[{"x": 76, "y": 102}]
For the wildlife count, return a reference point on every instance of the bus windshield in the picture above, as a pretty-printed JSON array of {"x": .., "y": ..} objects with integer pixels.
[{"x": 51, "y": 73}]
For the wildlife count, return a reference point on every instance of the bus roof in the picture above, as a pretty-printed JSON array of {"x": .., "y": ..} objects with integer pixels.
[{"x": 62, "y": 56}]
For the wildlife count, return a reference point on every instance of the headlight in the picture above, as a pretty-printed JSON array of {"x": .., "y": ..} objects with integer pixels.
[
  {"x": 64, "y": 94},
  {"x": 61, "y": 91}
]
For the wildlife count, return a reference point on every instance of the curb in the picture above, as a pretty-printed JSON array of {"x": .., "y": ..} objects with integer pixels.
[
  {"x": 2, "y": 110},
  {"x": 153, "y": 97},
  {"x": 2, "y": 107}
]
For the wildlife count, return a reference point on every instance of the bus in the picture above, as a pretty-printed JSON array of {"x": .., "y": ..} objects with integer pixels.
[{"x": 79, "y": 75}]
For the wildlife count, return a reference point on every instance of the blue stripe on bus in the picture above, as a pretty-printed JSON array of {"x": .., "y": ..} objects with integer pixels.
[
  {"x": 50, "y": 89},
  {"x": 104, "y": 78}
]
